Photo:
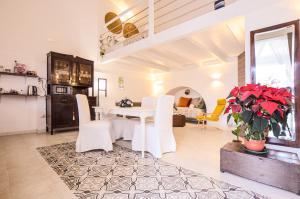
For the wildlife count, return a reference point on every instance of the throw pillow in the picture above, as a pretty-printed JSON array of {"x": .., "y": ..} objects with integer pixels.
[
  {"x": 196, "y": 101},
  {"x": 184, "y": 102}
]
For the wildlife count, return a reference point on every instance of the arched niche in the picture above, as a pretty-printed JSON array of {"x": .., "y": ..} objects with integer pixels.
[{"x": 191, "y": 111}]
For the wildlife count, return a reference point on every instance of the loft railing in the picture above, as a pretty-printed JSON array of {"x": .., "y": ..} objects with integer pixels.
[{"x": 147, "y": 17}]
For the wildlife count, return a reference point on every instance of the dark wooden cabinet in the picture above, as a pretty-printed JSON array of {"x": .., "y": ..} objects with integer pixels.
[
  {"x": 59, "y": 68},
  {"x": 85, "y": 72},
  {"x": 66, "y": 69},
  {"x": 67, "y": 76},
  {"x": 62, "y": 112}
]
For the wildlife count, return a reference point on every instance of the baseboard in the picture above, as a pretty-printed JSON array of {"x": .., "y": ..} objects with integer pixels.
[
  {"x": 22, "y": 132},
  {"x": 41, "y": 131}
]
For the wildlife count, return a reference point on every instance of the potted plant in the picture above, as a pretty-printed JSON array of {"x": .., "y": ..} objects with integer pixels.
[
  {"x": 240, "y": 125},
  {"x": 259, "y": 109}
]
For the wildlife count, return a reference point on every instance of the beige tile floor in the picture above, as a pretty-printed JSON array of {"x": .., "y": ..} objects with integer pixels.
[{"x": 25, "y": 175}]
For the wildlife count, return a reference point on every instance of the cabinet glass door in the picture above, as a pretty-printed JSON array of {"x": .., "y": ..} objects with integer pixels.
[
  {"x": 85, "y": 74},
  {"x": 74, "y": 75},
  {"x": 61, "y": 73}
]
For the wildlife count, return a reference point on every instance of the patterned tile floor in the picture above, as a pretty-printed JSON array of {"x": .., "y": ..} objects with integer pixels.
[{"x": 122, "y": 174}]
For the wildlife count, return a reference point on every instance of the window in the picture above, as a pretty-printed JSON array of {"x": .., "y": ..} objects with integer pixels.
[{"x": 102, "y": 88}]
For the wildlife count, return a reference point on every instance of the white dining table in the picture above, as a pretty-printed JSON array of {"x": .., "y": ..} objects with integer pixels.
[{"x": 142, "y": 113}]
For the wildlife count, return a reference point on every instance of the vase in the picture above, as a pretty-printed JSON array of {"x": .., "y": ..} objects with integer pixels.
[{"x": 255, "y": 145}]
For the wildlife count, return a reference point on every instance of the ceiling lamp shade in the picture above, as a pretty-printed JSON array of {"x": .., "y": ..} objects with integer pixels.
[
  {"x": 116, "y": 26},
  {"x": 129, "y": 30}
]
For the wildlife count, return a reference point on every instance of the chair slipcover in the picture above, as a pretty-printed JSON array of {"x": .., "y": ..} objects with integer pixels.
[
  {"x": 92, "y": 134},
  {"x": 159, "y": 137},
  {"x": 123, "y": 127}
]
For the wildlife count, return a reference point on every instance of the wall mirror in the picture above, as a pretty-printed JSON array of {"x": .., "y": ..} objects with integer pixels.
[{"x": 275, "y": 62}]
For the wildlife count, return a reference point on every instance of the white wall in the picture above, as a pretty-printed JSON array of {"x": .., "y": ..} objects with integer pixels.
[
  {"x": 136, "y": 86},
  {"x": 212, "y": 82},
  {"x": 28, "y": 31},
  {"x": 278, "y": 11}
]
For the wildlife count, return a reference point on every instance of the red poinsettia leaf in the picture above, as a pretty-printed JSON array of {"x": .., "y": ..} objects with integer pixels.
[
  {"x": 236, "y": 108},
  {"x": 270, "y": 107},
  {"x": 284, "y": 92},
  {"x": 255, "y": 108},
  {"x": 245, "y": 95},
  {"x": 234, "y": 92},
  {"x": 249, "y": 93},
  {"x": 279, "y": 99},
  {"x": 231, "y": 101},
  {"x": 270, "y": 95},
  {"x": 267, "y": 94},
  {"x": 260, "y": 114},
  {"x": 248, "y": 87},
  {"x": 227, "y": 110}
]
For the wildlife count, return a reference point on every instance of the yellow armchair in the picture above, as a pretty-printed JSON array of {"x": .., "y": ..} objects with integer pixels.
[{"x": 215, "y": 115}]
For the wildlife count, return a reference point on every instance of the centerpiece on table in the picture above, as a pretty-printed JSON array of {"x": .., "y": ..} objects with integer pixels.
[
  {"x": 257, "y": 110},
  {"x": 125, "y": 103}
]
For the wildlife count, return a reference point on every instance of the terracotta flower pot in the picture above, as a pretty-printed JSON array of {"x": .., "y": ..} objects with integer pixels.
[{"x": 255, "y": 145}]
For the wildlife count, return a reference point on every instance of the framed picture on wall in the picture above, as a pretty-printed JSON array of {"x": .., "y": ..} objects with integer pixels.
[{"x": 121, "y": 82}]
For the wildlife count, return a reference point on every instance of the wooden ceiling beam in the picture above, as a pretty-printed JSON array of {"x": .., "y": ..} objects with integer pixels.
[
  {"x": 210, "y": 47},
  {"x": 146, "y": 63}
]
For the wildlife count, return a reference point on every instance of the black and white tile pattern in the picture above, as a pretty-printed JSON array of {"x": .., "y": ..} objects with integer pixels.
[{"x": 123, "y": 174}]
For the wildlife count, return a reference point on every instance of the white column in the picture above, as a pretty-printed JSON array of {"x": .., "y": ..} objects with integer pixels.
[{"x": 150, "y": 17}]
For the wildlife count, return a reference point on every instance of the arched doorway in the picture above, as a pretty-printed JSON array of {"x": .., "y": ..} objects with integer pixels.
[{"x": 195, "y": 107}]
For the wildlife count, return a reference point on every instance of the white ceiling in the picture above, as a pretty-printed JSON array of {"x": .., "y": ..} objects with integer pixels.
[{"x": 214, "y": 45}]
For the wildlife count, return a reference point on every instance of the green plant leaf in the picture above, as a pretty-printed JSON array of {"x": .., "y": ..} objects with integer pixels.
[
  {"x": 275, "y": 128},
  {"x": 277, "y": 117},
  {"x": 259, "y": 124},
  {"x": 228, "y": 118},
  {"x": 249, "y": 101},
  {"x": 235, "y": 132},
  {"x": 236, "y": 117},
  {"x": 247, "y": 116}
]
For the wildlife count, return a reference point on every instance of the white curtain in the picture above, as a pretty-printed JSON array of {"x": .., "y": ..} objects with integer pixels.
[
  {"x": 274, "y": 67},
  {"x": 273, "y": 62}
]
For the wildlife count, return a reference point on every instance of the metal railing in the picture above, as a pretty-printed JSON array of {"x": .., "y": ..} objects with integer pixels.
[{"x": 166, "y": 14}]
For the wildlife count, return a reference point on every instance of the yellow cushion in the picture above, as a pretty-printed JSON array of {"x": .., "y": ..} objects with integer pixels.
[
  {"x": 221, "y": 103},
  {"x": 208, "y": 117},
  {"x": 220, "y": 107},
  {"x": 212, "y": 117}
]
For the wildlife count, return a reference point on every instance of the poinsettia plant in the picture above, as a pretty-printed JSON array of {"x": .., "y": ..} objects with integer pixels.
[{"x": 259, "y": 109}]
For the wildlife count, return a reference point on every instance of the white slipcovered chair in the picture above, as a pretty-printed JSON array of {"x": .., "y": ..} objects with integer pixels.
[
  {"x": 159, "y": 137},
  {"x": 92, "y": 134},
  {"x": 123, "y": 127}
]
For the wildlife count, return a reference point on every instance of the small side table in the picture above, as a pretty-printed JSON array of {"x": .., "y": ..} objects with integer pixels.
[
  {"x": 277, "y": 168},
  {"x": 178, "y": 120}
]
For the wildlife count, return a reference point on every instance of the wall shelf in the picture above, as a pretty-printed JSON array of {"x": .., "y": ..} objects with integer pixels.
[
  {"x": 24, "y": 96},
  {"x": 18, "y": 74},
  {"x": 19, "y": 95}
]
